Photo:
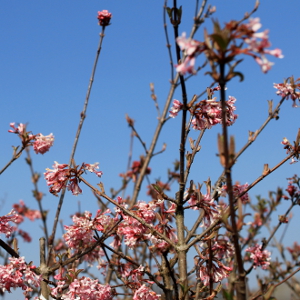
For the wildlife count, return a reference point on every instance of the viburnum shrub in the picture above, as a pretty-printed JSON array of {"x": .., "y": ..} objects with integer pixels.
[{"x": 141, "y": 249}]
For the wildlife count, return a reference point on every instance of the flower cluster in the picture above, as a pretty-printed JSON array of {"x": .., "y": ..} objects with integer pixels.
[
  {"x": 41, "y": 144},
  {"x": 221, "y": 249},
  {"x": 80, "y": 234},
  {"x": 18, "y": 274},
  {"x": 207, "y": 113},
  {"x": 134, "y": 232},
  {"x": 58, "y": 177},
  {"x": 191, "y": 49},
  {"x": 176, "y": 107},
  {"x": 261, "y": 258},
  {"x": 205, "y": 202},
  {"x": 4, "y": 225},
  {"x": 257, "y": 46},
  {"x": 145, "y": 293},
  {"x": 104, "y": 17},
  {"x": 24, "y": 211},
  {"x": 82, "y": 288},
  {"x": 227, "y": 42},
  {"x": 289, "y": 89}
]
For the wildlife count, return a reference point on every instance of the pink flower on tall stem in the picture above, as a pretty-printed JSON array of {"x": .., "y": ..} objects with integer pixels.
[{"x": 104, "y": 17}]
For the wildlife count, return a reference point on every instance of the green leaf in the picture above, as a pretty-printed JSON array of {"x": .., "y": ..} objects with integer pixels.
[{"x": 221, "y": 42}]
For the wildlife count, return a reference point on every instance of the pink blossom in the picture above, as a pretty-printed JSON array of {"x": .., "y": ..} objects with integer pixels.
[
  {"x": 43, "y": 143},
  {"x": 254, "y": 24},
  {"x": 208, "y": 113},
  {"x": 74, "y": 187},
  {"x": 57, "y": 178},
  {"x": 145, "y": 293},
  {"x": 199, "y": 201},
  {"x": 104, "y": 17},
  {"x": 238, "y": 189},
  {"x": 177, "y": 106},
  {"x": 21, "y": 129},
  {"x": 23, "y": 210},
  {"x": 83, "y": 288},
  {"x": 18, "y": 274},
  {"x": 218, "y": 273},
  {"x": 4, "y": 225},
  {"x": 92, "y": 168},
  {"x": 289, "y": 91},
  {"x": 261, "y": 258},
  {"x": 191, "y": 48},
  {"x": 264, "y": 63},
  {"x": 81, "y": 233}
]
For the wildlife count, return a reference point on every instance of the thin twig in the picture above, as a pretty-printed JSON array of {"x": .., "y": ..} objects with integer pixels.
[{"x": 82, "y": 117}]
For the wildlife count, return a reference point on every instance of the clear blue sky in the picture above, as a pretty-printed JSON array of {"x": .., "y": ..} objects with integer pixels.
[{"x": 48, "y": 48}]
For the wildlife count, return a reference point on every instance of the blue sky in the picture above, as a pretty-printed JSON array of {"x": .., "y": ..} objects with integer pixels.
[{"x": 48, "y": 48}]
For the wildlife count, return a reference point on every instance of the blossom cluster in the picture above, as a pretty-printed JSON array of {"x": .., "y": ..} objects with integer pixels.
[
  {"x": 18, "y": 274},
  {"x": 207, "y": 113},
  {"x": 261, "y": 258},
  {"x": 288, "y": 90},
  {"x": 104, "y": 17},
  {"x": 238, "y": 189},
  {"x": 257, "y": 44},
  {"x": 80, "y": 234},
  {"x": 82, "y": 288},
  {"x": 221, "y": 249},
  {"x": 41, "y": 144},
  {"x": 58, "y": 177},
  {"x": 134, "y": 232},
  {"x": 5, "y": 227},
  {"x": 205, "y": 202},
  {"x": 24, "y": 211}
]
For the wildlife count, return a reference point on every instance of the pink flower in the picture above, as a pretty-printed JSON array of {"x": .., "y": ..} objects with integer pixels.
[
  {"x": 74, "y": 187},
  {"x": 92, "y": 168},
  {"x": 288, "y": 90},
  {"x": 81, "y": 233},
  {"x": 43, "y": 143},
  {"x": 104, "y": 17},
  {"x": 191, "y": 48},
  {"x": 145, "y": 293},
  {"x": 23, "y": 210},
  {"x": 83, "y": 288},
  {"x": 208, "y": 113},
  {"x": 4, "y": 225},
  {"x": 219, "y": 272},
  {"x": 264, "y": 63},
  {"x": 261, "y": 258},
  {"x": 21, "y": 129},
  {"x": 18, "y": 274},
  {"x": 57, "y": 178},
  {"x": 199, "y": 201},
  {"x": 177, "y": 106}
]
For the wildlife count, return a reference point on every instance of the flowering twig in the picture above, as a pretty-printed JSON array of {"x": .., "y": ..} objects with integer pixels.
[
  {"x": 129, "y": 213},
  {"x": 82, "y": 117}
]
